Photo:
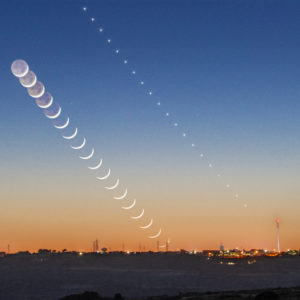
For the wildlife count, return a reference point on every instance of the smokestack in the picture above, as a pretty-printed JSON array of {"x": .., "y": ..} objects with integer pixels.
[
  {"x": 96, "y": 246},
  {"x": 277, "y": 221}
]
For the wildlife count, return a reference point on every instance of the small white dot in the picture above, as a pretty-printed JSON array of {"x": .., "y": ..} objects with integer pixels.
[
  {"x": 150, "y": 93},
  {"x": 125, "y": 61},
  {"x": 92, "y": 19},
  {"x": 245, "y": 205},
  {"x": 201, "y": 155},
  {"x": 184, "y": 134},
  {"x": 193, "y": 145},
  {"x": 100, "y": 29},
  {"x": 210, "y": 165},
  {"x": 158, "y": 103},
  {"x": 219, "y": 175},
  {"x": 167, "y": 114},
  {"x": 117, "y": 51},
  {"x": 109, "y": 40},
  {"x": 133, "y": 72},
  {"x": 175, "y": 124},
  {"x": 236, "y": 195},
  {"x": 228, "y": 185},
  {"x": 142, "y": 82},
  {"x": 84, "y": 8}
]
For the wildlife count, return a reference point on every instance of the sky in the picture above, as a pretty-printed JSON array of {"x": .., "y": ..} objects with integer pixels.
[{"x": 228, "y": 74}]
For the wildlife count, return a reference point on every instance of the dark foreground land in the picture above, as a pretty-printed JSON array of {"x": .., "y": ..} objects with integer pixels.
[
  {"x": 266, "y": 294},
  {"x": 51, "y": 277}
]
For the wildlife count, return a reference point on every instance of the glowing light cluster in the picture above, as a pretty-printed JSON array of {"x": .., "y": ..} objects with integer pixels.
[
  {"x": 149, "y": 93},
  {"x": 53, "y": 111}
]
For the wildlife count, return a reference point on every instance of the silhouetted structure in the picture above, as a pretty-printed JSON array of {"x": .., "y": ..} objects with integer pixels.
[
  {"x": 277, "y": 221},
  {"x": 95, "y": 246}
]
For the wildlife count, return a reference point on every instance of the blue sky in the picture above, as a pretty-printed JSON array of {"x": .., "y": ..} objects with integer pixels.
[{"x": 226, "y": 71}]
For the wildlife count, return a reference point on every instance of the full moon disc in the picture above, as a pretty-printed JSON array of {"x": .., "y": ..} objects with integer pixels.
[
  {"x": 45, "y": 100},
  {"x": 37, "y": 90},
  {"x": 28, "y": 80},
  {"x": 19, "y": 68}
]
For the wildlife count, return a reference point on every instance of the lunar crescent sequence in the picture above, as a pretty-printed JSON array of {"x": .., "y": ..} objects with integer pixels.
[{"x": 49, "y": 114}]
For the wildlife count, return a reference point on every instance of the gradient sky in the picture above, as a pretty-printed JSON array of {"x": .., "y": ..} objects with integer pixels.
[{"x": 227, "y": 71}]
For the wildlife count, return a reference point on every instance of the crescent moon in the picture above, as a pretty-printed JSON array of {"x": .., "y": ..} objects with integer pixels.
[
  {"x": 71, "y": 136},
  {"x": 55, "y": 116},
  {"x": 63, "y": 126},
  {"x": 80, "y": 146},
  {"x": 36, "y": 95},
  {"x": 156, "y": 235},
  {"x": 104, "y": 177},
  {"x": 139, "y": 216},
  {"x": 96, "y": 167},
  {"x": 121, "y": 197},
  {"x": 114, "y": 186},
  {"x": 28, "y": 80},
  {"x": 147, "y": 226},
  {"x": 47, "y": 104},
  {"x": 130, "y": 206},
  {"x": 88, "y": 156}
]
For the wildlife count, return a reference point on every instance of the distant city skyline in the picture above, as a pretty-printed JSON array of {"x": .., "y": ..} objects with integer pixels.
[
  {"x": 226, "y": 74},
  {"x": 142, "y": 248}
]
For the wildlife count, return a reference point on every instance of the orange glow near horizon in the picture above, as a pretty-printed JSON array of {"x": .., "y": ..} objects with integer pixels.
[{"x": 37, "y": 217}]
